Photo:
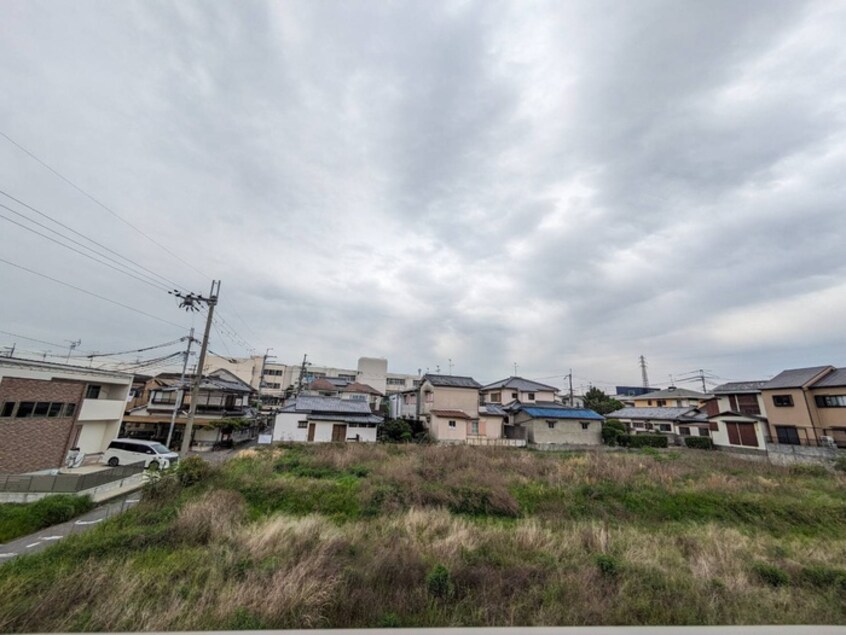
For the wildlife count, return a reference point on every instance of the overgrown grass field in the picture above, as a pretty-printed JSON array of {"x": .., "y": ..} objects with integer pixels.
[{"x": 363, "y": 536}]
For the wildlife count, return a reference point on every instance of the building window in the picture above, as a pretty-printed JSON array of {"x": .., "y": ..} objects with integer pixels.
[
  {"x": 302, "y": 424},
  {"x": 41, "y": 409},
  {"x": 531, "y": 396},
  {"x": 25, "y": 408},
  {"x": 274, "y": 373},
  {"x": 661, "y": 403},
  {"x": 416, "y": 383},
  {"x": 273, "y": 385},
  {"x": 430, "y": 397},
  {"x": 70, "y": 408},
  {"x": 685, "y": 432},
  {"x": 55, "y": 409},
  {"x": 394, "y": 381},
  {"x": 352, "y": 378},
  {"x": 830, "y": 401},
  {"x": 782, "y": 401},
  {"x": 8, "y": 409},
  {"x": 474, "y": 427},
  {"x": 585, "y": 425},
  {"x": 550, "y": 425},
  {"x": 704, "y": 432},
  {"x": 92, "y": 391},
  {"x": 649, "y": 402},
  {"x": 665, "y": 427},
  {"x": 514, "y": 395},
  {"x": 787, "y": 435},
  {"x": 496, "y": 397},
  {"x": 452, "y": 424}
]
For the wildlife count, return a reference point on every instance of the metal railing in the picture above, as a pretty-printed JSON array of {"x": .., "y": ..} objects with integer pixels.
[{"x": 67, "y": 483}]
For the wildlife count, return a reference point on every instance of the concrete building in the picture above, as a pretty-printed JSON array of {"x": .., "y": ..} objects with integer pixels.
[
  {"x": 46, "y": 409},
  {"x": 551, "y": 423},
  {"x": 324, "y": 420}
]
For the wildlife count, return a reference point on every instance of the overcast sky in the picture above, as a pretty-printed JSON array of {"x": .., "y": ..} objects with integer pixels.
[{"x": 562, "y": 184}]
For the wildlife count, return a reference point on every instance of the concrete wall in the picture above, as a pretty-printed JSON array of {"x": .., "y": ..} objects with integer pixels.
[
  {"x": 286, "y": 428},
  {"x": 779, "y": 454},
  {"x": 440, "y": 430},
  {"x": 492, "y": 425},
  {"x": 566, "y": 431},
  {"x": 373, "y": 371}
]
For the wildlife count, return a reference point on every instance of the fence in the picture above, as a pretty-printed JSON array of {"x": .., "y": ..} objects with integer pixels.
[
  {"x": 512, "y": 443},
  {"x": 67, "y": 483}
]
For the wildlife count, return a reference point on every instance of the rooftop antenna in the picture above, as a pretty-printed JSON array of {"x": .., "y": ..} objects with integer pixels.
[
  {"x": 437, "y": 368},
  {"x": 515, "y": 369},
  {"x": 73, "y": 345}
]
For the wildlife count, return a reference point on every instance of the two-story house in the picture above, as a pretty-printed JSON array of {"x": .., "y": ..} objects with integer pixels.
[
  {"x": 222, "y": 396},
  {"x": 737, "y": 415},
  {"x": 517, "y": 389},
  {"x": 807, "y": 406},
  {"x": 449, "y": 407}
]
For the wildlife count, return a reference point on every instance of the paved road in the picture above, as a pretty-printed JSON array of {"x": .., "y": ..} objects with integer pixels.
[{"x": 42, "y": 539}]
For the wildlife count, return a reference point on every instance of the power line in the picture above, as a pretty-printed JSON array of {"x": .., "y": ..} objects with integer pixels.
[
  {"x": 91, "y": 293},
  {"x": 32, "y": 339},
  {"x": 138, "y": 350},
  {"x": 81, "y": 235},
  {"x": 158, "y": 286},
  {"x": 99, "y": 203}
]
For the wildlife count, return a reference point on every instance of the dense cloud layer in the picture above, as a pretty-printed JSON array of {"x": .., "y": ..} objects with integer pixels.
[{"x": 556, "y": 184}]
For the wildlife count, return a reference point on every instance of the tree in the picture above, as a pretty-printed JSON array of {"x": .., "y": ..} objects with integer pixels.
[
  {"x": 598, "y": 401},
  {"x": 395, "y": 431}
]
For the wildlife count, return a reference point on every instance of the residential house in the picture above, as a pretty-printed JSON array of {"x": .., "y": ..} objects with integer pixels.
[
  {"x": 403, "y": 405},
  {"x": 449, "y": 406},
  {"x": 222, "y": 396},
  {"x": 671, "y": 397},
  {"x": 736, "y": 414},
  {"x": 47, "y": 408},
  {"x": 551, "y": 423},
  {"x": 493, "y": 419},
  {"x": 326, "y": 419},
  {"x": 517, "y": 389},
  {"x": 807, "y": 406},
  {"x": 673, "y": 421}
]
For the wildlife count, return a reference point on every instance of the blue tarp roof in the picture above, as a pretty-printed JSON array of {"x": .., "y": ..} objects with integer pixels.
[{"x": 561, "y": 413}]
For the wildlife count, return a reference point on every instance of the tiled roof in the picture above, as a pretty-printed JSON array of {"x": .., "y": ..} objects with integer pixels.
[
  {"x": 451, "y": 414},
  {"x": 835, "y": 379},
  {"x": 561, "y": 412},
  {"x": 206, "y": 383},
  {"x": 794, "y": 377},
  {"x": 660, "y": 414},
  {"x": 492, "y": 409},
  {"x": 322, "y": 384},
  {"x": 452, "y": 381},
  {"x": 734, "y": 387},
  {"x": 333, "y": 405},
  {"x": 518, "y": 383},
  {"x": 357, "y": 387},
  {"x": 671, "y": 393}
]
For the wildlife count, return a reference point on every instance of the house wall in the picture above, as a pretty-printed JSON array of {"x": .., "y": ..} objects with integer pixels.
[
  {"x": 567, "y": 431},
  {"x": 828, "y": 417},
  {"x": 492, "y": 426},
  {"x": 95, "y": 436},
  {"x": 507, "y": 395},
  {"x": 465, "y": 399},
  {"x": 373, "y": 371},
  {"x": 799, "y": 414},
  {"x": 720, "y": 436},
  {"x": 285, "y": 428},
  {"x": 37, "y": 443},
  {"x": 439, "y": 428}
]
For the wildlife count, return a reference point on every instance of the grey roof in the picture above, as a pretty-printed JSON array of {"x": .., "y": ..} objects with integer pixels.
[
  {"x": 492, "y": 409},
  {"x": 671, "y": 393},
  {"x": 208, "y": 382},
  {"x": 348, "y": 418},
  {"x": 452, "y": 381},
  {"x": 735, "y": 387},
  {"x": 835, "y": 379},
  {"x": 660, "y": 414},
  {"x": 337, "y": 381},
  {"x": 334, "y": 405},
  {"x": 794, "y": 377},
  {"x": 518, "y": 383}
]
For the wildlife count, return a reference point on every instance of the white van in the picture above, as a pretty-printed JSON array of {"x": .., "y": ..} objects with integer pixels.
[{"x": 128, "y": 451}]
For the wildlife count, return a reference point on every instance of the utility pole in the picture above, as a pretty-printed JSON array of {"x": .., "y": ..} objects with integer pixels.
[
  {"x": 179, "y": 395},
  {"x": 450, "y": 365},
  {"x": 515, "y": 369},
  {"x": 190, "y": 302},
  {"x": 302, "y": 374},
  {"x": 570, "y": 377},
  {"x": 11, "y": 350},
  {"x": 73, "y": 345},
  {"x": 261, "y": 374},
  {"x": 643, "y": 372}
]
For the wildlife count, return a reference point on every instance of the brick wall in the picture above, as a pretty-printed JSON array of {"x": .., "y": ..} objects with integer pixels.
[{"x": 37, "y": 443}]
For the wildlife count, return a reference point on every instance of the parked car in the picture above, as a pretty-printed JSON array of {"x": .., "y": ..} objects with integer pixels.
[{"x": 128, "y": 451}]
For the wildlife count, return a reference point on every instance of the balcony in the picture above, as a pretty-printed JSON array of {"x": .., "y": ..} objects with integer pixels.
[{"x": 101, "y": 409}]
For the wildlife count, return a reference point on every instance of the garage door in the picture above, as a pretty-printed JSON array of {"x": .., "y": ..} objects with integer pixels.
[{"x": 742, "y": 434}]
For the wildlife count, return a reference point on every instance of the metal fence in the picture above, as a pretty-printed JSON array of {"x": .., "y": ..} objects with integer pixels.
[{"x": 67, "y": 483}]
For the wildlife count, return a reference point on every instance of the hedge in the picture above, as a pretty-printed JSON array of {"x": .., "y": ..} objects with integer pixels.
[
  {"x": 700, "y": 443},
  {"x": 643, "y": 440}
]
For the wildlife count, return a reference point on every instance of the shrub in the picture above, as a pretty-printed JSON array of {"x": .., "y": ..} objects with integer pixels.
[
  {"x": 439, "y": 582},
  {"x": 607, "y": 565},
  {"x": 647, "y": 441},
  {"x": 615, "y": 424},
  {"x": 840, "y": 464},
  {"x": 192, "y": 470},
  {"x": 610, "y": 435},
  {"x": 395, "y": 431},
  {"x": 771, "y": 574},
  {"x": 20, "y": 519},
  {"x": 822, "y": 576},
  {"x": 699, "y": 443}
]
